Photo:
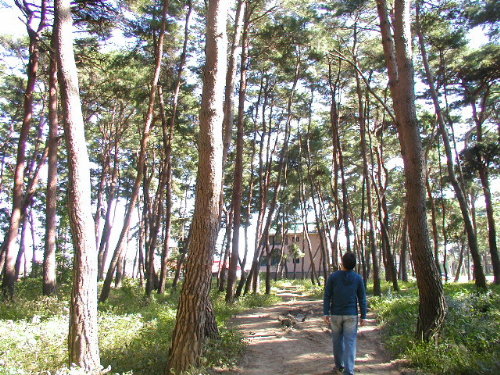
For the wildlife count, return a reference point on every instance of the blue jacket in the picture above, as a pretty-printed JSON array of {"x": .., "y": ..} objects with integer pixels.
[{"x": 344, "y": 290}]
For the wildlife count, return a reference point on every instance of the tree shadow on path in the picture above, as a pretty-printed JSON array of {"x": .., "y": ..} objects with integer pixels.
[{"x": 279, "y": 342}]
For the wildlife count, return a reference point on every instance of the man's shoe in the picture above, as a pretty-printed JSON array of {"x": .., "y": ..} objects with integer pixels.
[{"x": 338, "y": 370}]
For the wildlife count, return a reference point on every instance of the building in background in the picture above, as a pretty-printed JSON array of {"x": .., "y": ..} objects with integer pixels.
[{"x": 291, "y": 255}]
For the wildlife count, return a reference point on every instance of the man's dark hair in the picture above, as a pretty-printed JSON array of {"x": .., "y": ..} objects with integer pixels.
[{"x": 349, "y": 261}]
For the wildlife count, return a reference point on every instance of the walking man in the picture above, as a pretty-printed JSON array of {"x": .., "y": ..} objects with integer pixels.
[{"x": 344, "y": 291}]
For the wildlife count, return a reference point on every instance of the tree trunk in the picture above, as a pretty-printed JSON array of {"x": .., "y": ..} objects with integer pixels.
[
  {"x": 264, "y": 186},
  {"x": 227, "y": 249},
  {"x": 371, "y": 232},
  {"x": 403, "y": 272},
  {"x": 398, "y": 56},
  {"x": 384, "y": 214},
  {"x": 188, "y": 335},
  {"x": 9, "y": 271},
  {"x": 168, "y": 153},
  {"x": 22, "y": 250},
  {"x": 338, "y": 162},
  {"x": 460, "y": 262},
  {"x": 479, "y": 119},
  {"x": 238, "y": 167},
  {"x": 82, "y": 340},
  {"x": 106, "y": 287},
  {"x": 495, "y": 262},
  {"x": 459, "y": 193},
  {"x": 49, "y": 258},
  {"x": 231, "y": 75},
  {"x": 106, "y": 231}
]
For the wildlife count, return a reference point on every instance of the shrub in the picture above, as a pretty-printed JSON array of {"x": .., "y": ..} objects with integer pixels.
[
  {"x": 134, "y": 331},
  {"x": 470, "y": 341}
]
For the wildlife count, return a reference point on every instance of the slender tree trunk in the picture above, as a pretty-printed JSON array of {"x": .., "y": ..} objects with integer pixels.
[
  {"x": 142, "y": 156},
  {"x": 264, "y": 186},
  {"x": 188, "y": 335},
  {"x": 384, "y": 215},
  {"x": 9, "y": 271},
  {"x": 334, "y": 121},
  {"x": 371, "y": 232},
  {"x": 168, "y": 151},
  {"x": 495, "y": 262},
  {"x": 238, "y": 167},
  {"x": 404, "y": 249},
  {"x": 459, "y": 193},
  {"x": 460, "y": 261},
  {"x": 49, "y": 258},
  {"x": 435, "y": 238},
  {"x": 106, "y": 231},
  {"x": 22, "y": 250},
  {"x": 231, "y": 76},
  {"x": 338, "y": 159},
  {"x": 82, "y": 340},
  {"x": 483, "y": 177},
  {"x": 398, "y": 55},
  {"x": 227, "y": 249}
]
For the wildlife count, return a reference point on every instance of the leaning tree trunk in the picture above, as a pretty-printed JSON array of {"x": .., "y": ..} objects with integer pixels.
[
  {"x": 398, "y": 56},
  {"x": 82, "y": 340},
  {"x": 188, "y": 335}
]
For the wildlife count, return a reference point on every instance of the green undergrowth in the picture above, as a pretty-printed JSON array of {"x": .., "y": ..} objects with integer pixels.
[
  {"x": 134, "y": 331},
  {"x": 304, "y": 287},
  {"x": 470, "y": 342}
]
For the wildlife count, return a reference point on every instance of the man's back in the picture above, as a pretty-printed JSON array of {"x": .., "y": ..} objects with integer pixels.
[{"x": 343, "y": 291}]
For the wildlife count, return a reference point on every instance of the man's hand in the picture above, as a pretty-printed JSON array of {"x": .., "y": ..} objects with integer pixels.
[
  {"x": 326, "y": 318},
  {"x": 362, "y": 322}
]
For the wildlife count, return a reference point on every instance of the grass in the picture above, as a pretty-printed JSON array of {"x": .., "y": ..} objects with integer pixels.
[
  {"x": 470, "y": 342},
  {"x": 134, "y": 331},
  {"x": 305, "y": 287}
]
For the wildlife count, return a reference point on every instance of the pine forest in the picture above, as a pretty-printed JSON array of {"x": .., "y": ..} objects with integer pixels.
[{"x": 166, "y": 165}]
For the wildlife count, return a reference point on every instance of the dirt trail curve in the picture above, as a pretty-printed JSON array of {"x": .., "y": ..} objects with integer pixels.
[{"x": 306, "y": 348}]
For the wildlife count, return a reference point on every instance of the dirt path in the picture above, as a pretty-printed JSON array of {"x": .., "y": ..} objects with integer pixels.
[{"x": 305, "y": 348}]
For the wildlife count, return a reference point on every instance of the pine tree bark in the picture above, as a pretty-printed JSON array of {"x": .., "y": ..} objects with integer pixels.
[
  {"x": 82, "y": 339},
  {"x": 398, "y": 56},
  {"x": 188, "y": 335}
]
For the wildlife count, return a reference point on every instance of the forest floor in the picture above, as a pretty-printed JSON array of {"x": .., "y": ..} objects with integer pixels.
[{"x": 305, "y": 348}]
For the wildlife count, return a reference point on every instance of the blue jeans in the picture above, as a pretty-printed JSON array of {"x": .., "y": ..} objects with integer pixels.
[{"x": 344, "y": 330}]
